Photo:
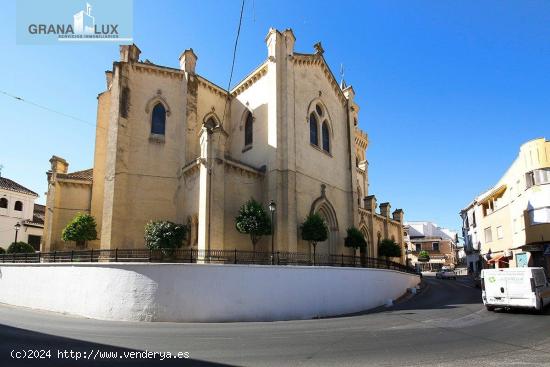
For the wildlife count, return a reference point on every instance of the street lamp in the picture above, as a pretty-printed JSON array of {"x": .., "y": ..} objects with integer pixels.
[
  {"x": 16, "y": 226},
  {"x": 272, "y": 208}
]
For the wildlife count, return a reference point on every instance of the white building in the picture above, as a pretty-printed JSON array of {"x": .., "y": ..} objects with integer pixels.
[
  {"x": 508, "y": 225},
  {"x": 17, "y": 206},
  {"x": 472, "y": 244}
]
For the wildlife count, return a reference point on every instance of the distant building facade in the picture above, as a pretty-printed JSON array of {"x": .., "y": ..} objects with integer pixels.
[
  {"x": 509, "y": 224},
  {"x": 439, "y": 243},
  {"x": 172, "y": 145},
  {"x": 472, "y": 244},
  {"x": 17, "y": 206}
]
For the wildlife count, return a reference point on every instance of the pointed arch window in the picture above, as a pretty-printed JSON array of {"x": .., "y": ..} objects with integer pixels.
[
  {"x": 158, "y": 120},
  {"x": 3, "y": 203},
  {"x": 248, "y": 129},
  {"x": 313, "y": 130},
  {"x": 326, "y": 137},
  {"x": 319, "y": 127}
]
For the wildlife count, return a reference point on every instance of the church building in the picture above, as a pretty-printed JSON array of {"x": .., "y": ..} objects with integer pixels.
[{"x": 172, "y": 145}]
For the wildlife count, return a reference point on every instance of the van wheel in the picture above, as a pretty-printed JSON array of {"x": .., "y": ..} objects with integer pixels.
[
  {"x": 490, "y": 308},
  {"x": 540, "y": 306}
]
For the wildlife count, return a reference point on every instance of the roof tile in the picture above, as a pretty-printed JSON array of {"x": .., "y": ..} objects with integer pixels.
[{"x": 7, "y": 184}]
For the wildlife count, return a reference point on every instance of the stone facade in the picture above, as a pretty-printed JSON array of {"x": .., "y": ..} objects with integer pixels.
[{"x": 203, "y": 166}]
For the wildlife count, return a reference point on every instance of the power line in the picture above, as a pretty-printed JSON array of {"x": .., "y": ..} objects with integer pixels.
[
  {"x": 138, "y": 138},
  {"x": 233, "y": 61},
  {"x": 21, "y": 99},
  {"x": 235, "y": 47}
]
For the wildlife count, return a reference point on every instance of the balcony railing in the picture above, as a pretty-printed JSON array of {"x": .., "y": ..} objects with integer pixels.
[{"x": 204, "y": 256}]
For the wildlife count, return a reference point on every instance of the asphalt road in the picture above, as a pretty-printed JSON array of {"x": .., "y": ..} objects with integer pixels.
[{"x": 444, "y": 325}]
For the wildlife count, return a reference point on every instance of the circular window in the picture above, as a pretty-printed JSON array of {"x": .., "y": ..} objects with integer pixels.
[{"x": 319, "y": 110}]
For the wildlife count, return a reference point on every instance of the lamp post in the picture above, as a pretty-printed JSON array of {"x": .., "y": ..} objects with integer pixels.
[
  {"x": 272, "y": 208},
  {"x": 16, "y": 226}
]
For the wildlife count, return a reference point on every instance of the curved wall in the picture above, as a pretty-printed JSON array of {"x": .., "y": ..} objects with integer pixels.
[{"x": 198, "y": 292}]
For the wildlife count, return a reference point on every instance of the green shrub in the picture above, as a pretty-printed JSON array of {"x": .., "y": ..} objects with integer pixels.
[
  {"x": 2, "y": 251},
  {"x": 81, "y": 229},
  {"x": 388, "y": 248},
  {"x": 355, "y": 239},
  {"x": 254, "y": 221},
  {"x": 314, "y": 229},
  {"x": 423, "y": 256},
  {"x": 20, "y": 247},
  {"x": 164, "y": 235}
]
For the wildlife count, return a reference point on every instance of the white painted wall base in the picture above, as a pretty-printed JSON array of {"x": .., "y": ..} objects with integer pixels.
[{"x": 198, "y": 292}]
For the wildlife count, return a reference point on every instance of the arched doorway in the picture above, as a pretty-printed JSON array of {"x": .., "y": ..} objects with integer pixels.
[
  {"x": 330, "y": 246},
  {"x": 365, "y": 233},
  {"x": 325, "y": 209}
]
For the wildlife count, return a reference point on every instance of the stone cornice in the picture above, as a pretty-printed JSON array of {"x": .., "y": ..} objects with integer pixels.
[
  {"x": 244, "y": 168},
  {"x": 158, "y": 70},
  {"x": 363, "y": 211},
  {"x": 361, "y": 139},
  {"x": 73, "y": 181},
  {"x": 317, "y": 59},
  {"x": 250, "y": 79},
  {"x": 191, "y": 168},
  {"x": 212, "y": 87}
]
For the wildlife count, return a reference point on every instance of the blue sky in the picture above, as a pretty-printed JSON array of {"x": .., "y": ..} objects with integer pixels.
[{"x": 448, "y": 90}]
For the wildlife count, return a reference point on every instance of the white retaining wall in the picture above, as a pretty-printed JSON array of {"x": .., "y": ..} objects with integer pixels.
[{"x": 198, "y": 292}]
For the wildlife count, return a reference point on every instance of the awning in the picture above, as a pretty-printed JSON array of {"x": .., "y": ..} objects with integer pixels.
[{"x": 496, "y": 193}]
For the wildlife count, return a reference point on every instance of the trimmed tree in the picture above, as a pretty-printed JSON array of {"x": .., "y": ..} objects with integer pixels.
[
  {"x": 314, "y": 229},
  {"x": 356, "y": 240},
  {"x": 423, "y": 256},
  {"x": 254, "y": 221},
  {"x": 388, "y": 248},
  {"x": 81, "y": 229},
  {"x": 164, "y": 235},
  {"x": 20, "y": 248},
  {"x": 2, "y": 251}
]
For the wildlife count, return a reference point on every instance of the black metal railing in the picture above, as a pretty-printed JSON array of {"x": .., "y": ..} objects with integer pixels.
[{"x": 205, "y": 256}]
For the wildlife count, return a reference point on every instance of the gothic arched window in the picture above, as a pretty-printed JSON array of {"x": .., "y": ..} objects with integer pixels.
[
  {"x": 4, "y": 203},
  {"x": 319, "y": 126},
  {"x": 158, "y": 120},
  {"x": 326, "y": 137},
  {"x": 313, "y": 130},
  {"x": 248, "y": 131},
  {"x": 18, "y": 206}
]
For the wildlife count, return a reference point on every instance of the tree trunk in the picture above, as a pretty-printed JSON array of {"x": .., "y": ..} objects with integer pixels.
[
  {"x": 314, "y": 244},
  {"x": 254, "y": 241}
]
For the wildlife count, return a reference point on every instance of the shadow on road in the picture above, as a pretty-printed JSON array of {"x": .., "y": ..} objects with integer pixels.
[
  {"x": 21, "y": 341},
  {"x": 523, "y": 311},
  {"x": 441, "y": 294}
]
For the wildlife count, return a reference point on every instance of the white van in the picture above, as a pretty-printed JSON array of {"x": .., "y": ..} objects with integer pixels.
[{"x": 515, "y": 287}]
